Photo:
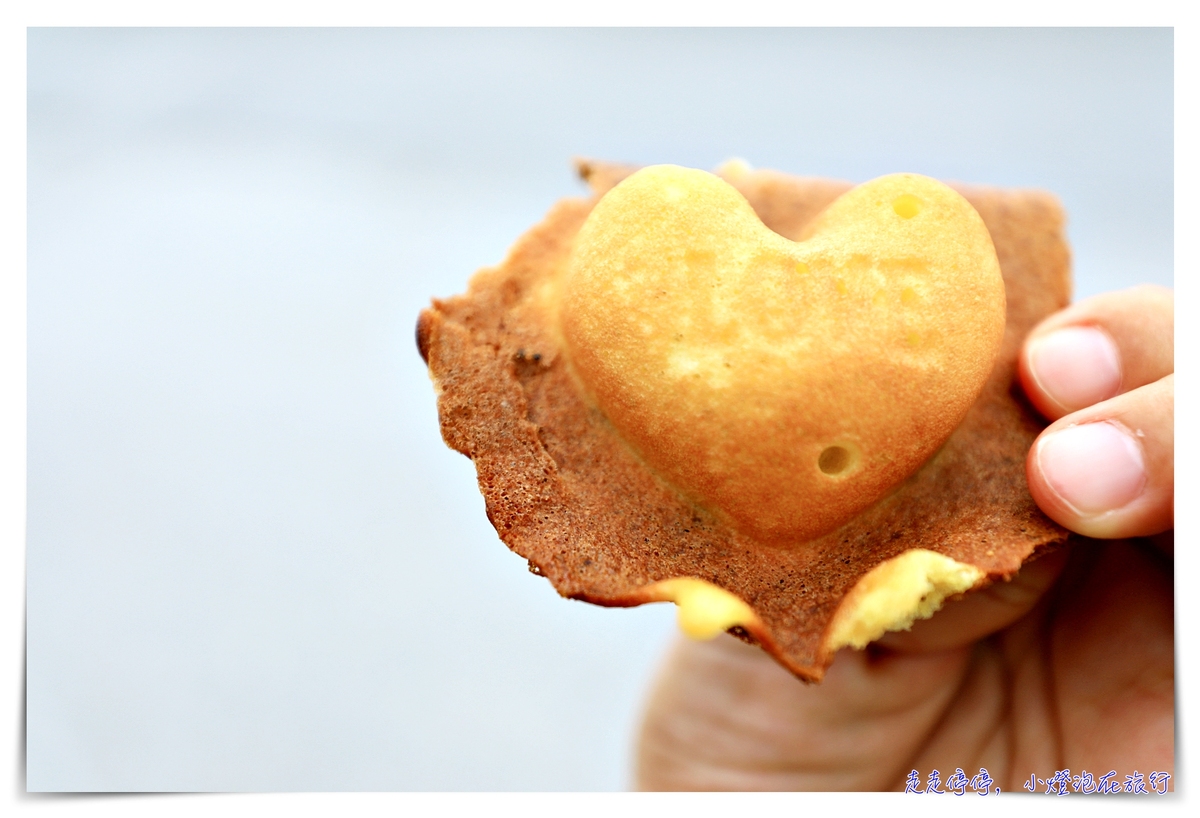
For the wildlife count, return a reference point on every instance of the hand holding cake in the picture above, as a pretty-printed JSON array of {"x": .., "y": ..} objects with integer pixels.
[
  {"x": 796, "y": 410},
  {"x": 1070, "y": 665}
]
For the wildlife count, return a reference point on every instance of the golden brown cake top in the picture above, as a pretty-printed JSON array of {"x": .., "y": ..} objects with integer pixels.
[{"x": 784, "y": 385}]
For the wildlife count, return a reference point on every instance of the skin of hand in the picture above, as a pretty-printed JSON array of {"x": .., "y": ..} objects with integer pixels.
[{"x": 1068, "y": 666}]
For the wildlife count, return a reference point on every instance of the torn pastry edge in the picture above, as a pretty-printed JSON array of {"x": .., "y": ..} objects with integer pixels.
[{"x": 895, "y": 594}]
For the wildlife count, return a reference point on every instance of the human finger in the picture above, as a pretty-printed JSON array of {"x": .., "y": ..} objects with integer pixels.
[
  {"x": 1099, "y": 348},
  {"x": 1109, "y": 470}
]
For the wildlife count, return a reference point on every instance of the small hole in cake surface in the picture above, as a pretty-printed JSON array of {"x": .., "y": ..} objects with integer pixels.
[
  {"x": 834, "y": 460},
  {"x": 906, "y": 206}
]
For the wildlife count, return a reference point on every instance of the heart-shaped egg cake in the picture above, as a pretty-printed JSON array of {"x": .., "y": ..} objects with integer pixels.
[
  {"x": 585, "y": 376},
  {"x": 785, "y": 385}
]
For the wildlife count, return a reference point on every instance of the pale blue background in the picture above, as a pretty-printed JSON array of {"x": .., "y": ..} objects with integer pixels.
[{"x": 252, "y": 563}]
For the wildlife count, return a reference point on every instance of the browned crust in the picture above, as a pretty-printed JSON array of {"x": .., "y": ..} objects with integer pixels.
[{"x": 566, "y": 493}]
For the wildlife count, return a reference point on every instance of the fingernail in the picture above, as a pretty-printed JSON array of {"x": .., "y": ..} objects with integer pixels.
[
  {"x": 1094, "y": 468},
  {"x": 1076, "y": 366}
]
